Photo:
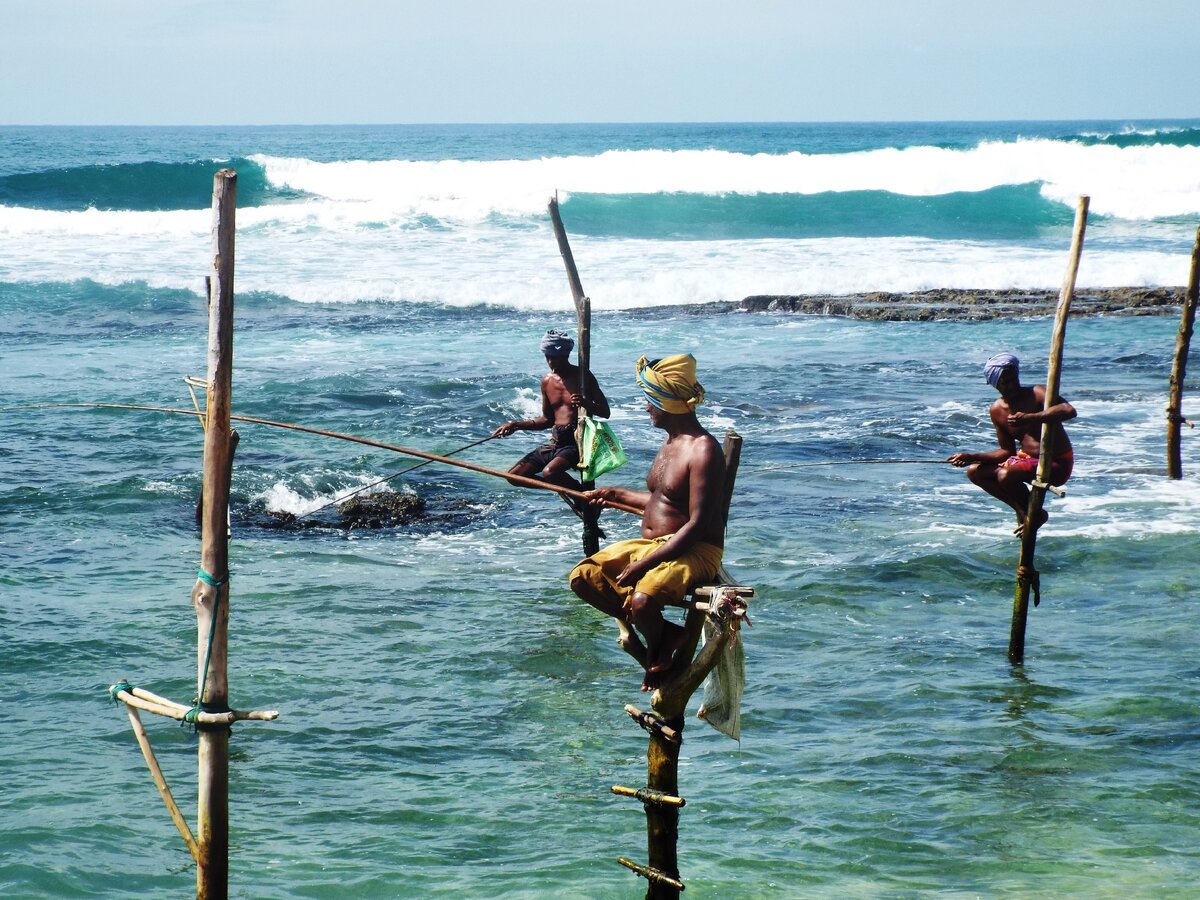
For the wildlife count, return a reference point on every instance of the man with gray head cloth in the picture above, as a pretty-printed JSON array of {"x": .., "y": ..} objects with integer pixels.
[
  {"x": 1018, "y": 417},
  {"x": 562, "y": 399}
]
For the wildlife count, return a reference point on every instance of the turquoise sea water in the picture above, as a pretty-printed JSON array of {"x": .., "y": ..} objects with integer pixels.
[{"x": 451, "y": 715}]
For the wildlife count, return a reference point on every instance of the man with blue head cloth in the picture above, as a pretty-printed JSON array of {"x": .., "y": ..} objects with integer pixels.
[
  {"x": 1018, "y": 417},
  {"x": 561, "y": 401},
  {"x": 683, "y": 534}
]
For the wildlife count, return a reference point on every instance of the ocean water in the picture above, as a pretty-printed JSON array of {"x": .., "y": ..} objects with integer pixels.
[{"x": 452, "y": 717}]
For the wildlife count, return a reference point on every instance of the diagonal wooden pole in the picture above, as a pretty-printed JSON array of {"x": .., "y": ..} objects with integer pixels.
[
  {"x": 583, "y": 318},
  {"x": 210, "y": 596},
  {"x": 1179, "y": 370},
  {"x": 1026, "y": 574}
]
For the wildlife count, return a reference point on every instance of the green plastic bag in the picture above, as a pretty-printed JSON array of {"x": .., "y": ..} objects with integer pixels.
[{"x": 599, "y": 449}]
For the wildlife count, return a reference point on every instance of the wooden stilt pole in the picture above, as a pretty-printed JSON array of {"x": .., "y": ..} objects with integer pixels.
[
  {"x": 210, "y": 597},
  {"x": 583, "y": 319},
  {"x": 1179, "y": 369},
  {"x": 662, "y": 754},
  {"x": 1027, "y": 576}
]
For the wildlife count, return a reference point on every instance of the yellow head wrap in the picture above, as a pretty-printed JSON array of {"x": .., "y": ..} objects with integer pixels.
[{"x": 670, "y": 383}]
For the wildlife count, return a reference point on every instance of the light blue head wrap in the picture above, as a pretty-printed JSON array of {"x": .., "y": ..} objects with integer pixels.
[
  {"x": 995, "y": 366},
  {"x": 557, "y": 343}
]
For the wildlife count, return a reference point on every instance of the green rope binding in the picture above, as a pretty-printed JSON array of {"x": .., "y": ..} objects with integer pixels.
[
  {"x": 198, "y": 704},
  {"x": 121, "y": 685}
]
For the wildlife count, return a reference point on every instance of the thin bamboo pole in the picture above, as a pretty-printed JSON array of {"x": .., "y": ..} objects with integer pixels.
[
  {"x": 210, "y": 597},
  {"x": 1178, "y": 371},
  {"x": 156, "y": 773},
  {"x": 1026, "y": 574},
  {"x": 583, "y": 321}
]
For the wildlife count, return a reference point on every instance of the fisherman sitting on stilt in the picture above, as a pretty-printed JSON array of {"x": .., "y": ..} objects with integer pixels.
[
  {"x": 1018, "y": 416},
  {"x": 682, "y": 530},
  {"x": 562, "y": 398}
]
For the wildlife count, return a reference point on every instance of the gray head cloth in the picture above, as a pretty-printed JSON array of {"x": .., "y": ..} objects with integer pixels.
[
  {"x": 557, "y": 343},
  {"x": 996, "y": 365}
]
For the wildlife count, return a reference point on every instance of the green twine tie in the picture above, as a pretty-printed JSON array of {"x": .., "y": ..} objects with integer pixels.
[
  {"x": 212, "y": 629},
  {"x": 121, "y": 685}
]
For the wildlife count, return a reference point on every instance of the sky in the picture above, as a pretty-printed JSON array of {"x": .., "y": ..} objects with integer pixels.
[{"x": 200, "y": 62}]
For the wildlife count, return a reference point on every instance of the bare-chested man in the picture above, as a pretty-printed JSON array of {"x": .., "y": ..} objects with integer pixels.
[
  {"x": 561, "y": 402},
  {"x": 682, "y": 532},
  {"x": 1018, "y": 416}
]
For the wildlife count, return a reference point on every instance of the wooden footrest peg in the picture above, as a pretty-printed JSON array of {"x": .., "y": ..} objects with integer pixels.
[
  {"x": 1054, "y": 489},
  {"x": 651, "y": 874},
  {"x": 704, "y": 596},
  {"x": 709, "y": 590},
  {"x": 652, "y": 724},
  {"x": 646, "y": 795}
]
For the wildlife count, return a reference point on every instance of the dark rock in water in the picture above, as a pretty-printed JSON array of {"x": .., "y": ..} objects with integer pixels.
[
  {"x": 382, "y": 510},
  {"x": 288, "y": 521},
  {"x": 967, "y": 304}
]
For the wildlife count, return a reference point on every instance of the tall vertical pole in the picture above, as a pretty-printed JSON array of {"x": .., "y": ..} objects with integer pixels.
[
  {"x": 662, "y": 755},
  {"x": 210, "y": 596},
  {"x": 1182, "y": 344},
  {"x": 583, "y": 318},
  {"x": 1026, "y": 574}
]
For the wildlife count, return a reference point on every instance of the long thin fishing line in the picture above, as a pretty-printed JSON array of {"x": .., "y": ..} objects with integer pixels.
[
  {"x": 852, "y": 462},
  {"x": 383, "y": 445},
  {"x": 367, "y": 487}
]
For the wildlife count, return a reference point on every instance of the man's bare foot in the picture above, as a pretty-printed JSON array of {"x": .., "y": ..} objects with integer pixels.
[
  {"x": 628, "y": 641},
  {"x": 669, "y": 642},
  {"x": 1042, "y": 518}
]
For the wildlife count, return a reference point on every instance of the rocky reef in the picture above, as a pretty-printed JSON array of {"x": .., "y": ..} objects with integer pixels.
[{"x": 969, "y": 304}]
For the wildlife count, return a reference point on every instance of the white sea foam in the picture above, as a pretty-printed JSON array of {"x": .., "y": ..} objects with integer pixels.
[
  {"x": 466, "y": 233},
  {"x": 524, "y": 271},
  {"x": 281, "y": 497}
]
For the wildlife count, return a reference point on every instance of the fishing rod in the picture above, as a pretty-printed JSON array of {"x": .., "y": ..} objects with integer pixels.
[
  {"x": 855, "y": 462},
  {"x": 367, "y": 487},
  {"x": 382, "y": 445}
]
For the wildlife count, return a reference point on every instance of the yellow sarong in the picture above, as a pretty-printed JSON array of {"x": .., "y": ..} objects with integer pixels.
[{"x": 668, "y": 582}]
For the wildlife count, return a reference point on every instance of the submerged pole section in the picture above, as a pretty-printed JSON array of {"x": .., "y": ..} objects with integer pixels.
[
  {"x": 1027, "y": 575},
  {"x": 210, "y": 596},
  {"x": 583, "y": 320},
  {"x": 1183, "y": 343}
]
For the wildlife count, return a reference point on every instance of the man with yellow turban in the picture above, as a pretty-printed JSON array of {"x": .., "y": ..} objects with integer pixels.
[{"x": 682, "y": 530}]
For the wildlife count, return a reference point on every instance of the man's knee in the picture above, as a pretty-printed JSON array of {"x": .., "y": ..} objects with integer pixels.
[
  {"x": 581, "y": 577},
  {"x": 641, "y": 605},
  {"x": 1011, "y": 477}
]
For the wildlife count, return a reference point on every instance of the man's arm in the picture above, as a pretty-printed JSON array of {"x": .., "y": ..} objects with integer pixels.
[
  {"x": 541, "y": 423},
  {"x": 1008, "y": 444},
  {"x": 597, "y": 402},
  {"x": 1059, "y": 411},
  {"x": 628, "y": 496}
]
